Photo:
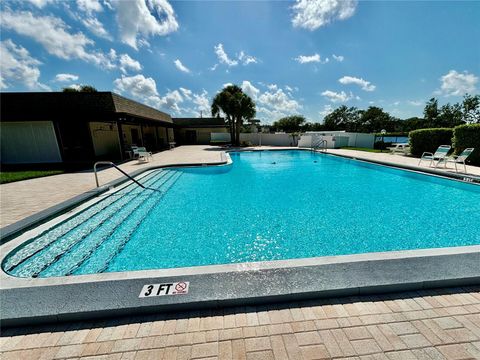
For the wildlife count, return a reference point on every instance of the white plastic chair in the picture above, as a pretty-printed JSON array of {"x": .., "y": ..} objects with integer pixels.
[
  {"x": 460, "y": 159},
  {"x": 439, "y": 155}
]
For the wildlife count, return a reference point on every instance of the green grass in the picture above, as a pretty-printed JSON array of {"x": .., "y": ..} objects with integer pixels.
[
  {"x": 11, "y": 176},
  {"x": 364, "y": 149}
]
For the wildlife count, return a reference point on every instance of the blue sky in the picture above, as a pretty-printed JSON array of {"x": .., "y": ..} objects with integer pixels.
[{"x": 305, "y": 57}]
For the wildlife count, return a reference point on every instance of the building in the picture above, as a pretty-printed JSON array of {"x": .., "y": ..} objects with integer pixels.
[
  {"x": 190, "y": 131},
  {"x": 78, "y": 127}
]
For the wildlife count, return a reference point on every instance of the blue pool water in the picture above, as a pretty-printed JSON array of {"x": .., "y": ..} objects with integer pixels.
[{"x": 266, "y": 206}]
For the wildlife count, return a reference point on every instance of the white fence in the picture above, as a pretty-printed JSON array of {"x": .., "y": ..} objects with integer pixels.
[
  {"x": 269, "y": 139},
  {"x": 333, "y": 142}
]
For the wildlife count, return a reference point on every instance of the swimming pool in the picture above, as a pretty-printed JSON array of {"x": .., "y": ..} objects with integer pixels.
[{"x": 267, "y": 205}]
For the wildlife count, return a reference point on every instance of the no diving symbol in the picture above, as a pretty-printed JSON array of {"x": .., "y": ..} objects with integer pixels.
[{"x": 181, "y": 287}]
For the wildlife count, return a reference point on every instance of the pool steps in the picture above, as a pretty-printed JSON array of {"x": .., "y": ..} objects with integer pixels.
[
  {"x": 26, "y": 262},
  {"x": 37, "y": 244},
  {"x": 96, "y": 237}
]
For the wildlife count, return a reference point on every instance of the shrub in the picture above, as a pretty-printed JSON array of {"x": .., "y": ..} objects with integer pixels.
[
  {"x": 467, "y": 136},
  {"x": 428, "y": 139}
]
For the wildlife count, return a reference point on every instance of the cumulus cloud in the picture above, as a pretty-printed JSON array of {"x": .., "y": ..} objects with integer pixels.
[
  {"x": 305, "y": 59},
  {"x": 246, "y": 59},
  {"x": 96, "y": 27},
  {"x": 457, "y": 84},
  {"x": 186, "y": 93},
  {"x": 327, "y": 109},
  {"x": 18, "y": 67},
  {"x": 223, "y": 57},
  {"x": 250, "y": 90},
  {"x": 338, "y": 58},
  {"x": 66, "y": 77},
  {"x": 364, "y": 84},
  {"x": 313, "y": 14},
  {"x": 89, "y": 6},
  {"x": 52, "y": 33},
  {"x": 140, "y": 19},
  {"x": 202, "y": 102},
  {"x": 181, "y": 67},
  {"x": 415, "y": 102},
  {"x": 127, "y": 63},
  {"x": 338, "y": 96},
  {"x": 40, "y": 3},
  {"x": 139, "y": 86}
]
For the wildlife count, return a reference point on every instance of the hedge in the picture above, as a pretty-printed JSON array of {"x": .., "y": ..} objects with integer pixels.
[
  {"x": 467, "y": 136},
  {"x": 429, "y": 139}
]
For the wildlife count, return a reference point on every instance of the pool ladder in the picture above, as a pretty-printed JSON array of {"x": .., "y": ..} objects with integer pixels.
[
  {"x": 123, "y": 172},
  {"x": 320, "y": 144}
]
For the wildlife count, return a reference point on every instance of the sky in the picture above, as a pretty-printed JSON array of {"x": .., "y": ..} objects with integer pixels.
[{"x": 304, "y": 57}]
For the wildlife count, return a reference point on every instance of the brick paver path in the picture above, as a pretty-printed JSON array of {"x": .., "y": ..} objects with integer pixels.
[{"x": 433, "y": 324}]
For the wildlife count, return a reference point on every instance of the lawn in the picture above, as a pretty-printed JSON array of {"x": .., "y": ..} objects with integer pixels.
[
  {"x": 11, "y": 176},
  {"x": 364, "y": 149}
]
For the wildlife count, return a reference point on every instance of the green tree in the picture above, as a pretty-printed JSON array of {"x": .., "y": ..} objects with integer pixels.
[
  {"x": 471, "y": 109},
  {"x": 342, "y": 118},
  {"x": 237, "y": 107},
  {"x": 450, "y": 115},
  {"x": 290, "y": 124},
  {"x": 374, "y": 119},
  {"x": 431, "y": 112},
  {"x": 83, "y": 88}
]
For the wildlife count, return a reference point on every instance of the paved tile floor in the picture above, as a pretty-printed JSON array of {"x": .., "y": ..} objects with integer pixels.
[{"x": 430, "y": 324}]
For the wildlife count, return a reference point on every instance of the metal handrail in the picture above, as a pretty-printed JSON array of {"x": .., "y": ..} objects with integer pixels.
[
  {"x": 123, "y": 172},
  {"x": 319, "y": 144}
]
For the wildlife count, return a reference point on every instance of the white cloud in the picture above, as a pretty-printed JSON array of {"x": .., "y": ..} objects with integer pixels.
[
  {"x": 338, "y": 96},
  {"x": 305, "y": 59},
  {"x": 327, "y": 109},
  {"x": 40, "y": 3},
  {"x": 89, "y": 6},
  {"x": 338, "y": 58},
  {"x": 457, "y": 84},
  {"x": 66, "y": 77},
  {"x": 171, "y": 101},
  {"x": 52, "y": 33},
  {"x": 312, "y": 14},
  {"x": 139, "y": 86},
  {"x": 17, "y": 66},
  {"x": 139, "y": 19},
  {"x": 95, "y": 27},
  {"x": 250, "y": 90},
  {"x": 272, "y": 87},
  {"x": 202, "y": 102},
  {"x": 181, "y": 67},
  {"x": 247, "y": 59},
  {"x": 126, "y": 63},
  {"x": 365, "y": 85},
  {"x": 186, "y": 93},
  {"x": 279, "y": 101},
  {"x": 223, "y": 57}
]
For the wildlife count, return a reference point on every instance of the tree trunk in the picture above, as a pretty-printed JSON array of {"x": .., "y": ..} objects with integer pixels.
[{"x": 238, "y": 125}]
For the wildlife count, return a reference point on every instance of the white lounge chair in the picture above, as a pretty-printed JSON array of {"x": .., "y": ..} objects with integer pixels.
[
  {"x": 460, "y": 159},
  {"x": 141, "y": 153},
  {"x": 400, "y": 148},
  {"x": 439, "y": 155}
]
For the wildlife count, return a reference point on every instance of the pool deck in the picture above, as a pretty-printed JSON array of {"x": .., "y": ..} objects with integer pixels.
[
  {"x": 424, "y": 324},
  {"x": 429, "y": 324}
]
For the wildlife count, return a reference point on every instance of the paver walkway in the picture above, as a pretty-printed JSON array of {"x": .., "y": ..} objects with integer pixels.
[{"x": 433, "y": 324}]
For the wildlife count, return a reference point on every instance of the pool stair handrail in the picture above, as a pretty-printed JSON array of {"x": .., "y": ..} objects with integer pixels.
[
  {"x": 123, "y": 172},
  {"x": 319, "y": 144},
  {"x": 439, "y": 155}
]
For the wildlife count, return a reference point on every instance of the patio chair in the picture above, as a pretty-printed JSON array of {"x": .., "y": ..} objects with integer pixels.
[
  {"x": 439, "y": 155},
  {"x": 460, "y": 159},
  {"x": 141, "y": 153},
  {"x": 400, "y": 148}
]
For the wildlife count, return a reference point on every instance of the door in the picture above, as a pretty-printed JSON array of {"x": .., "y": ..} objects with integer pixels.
[{"x": 191, "y": 137}]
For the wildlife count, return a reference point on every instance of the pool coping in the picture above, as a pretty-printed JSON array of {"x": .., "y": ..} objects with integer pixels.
[{"x": 112, "y": 294}]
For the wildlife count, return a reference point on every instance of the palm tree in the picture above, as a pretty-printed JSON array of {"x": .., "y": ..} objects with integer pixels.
[{"x": 237, "y": 107}]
